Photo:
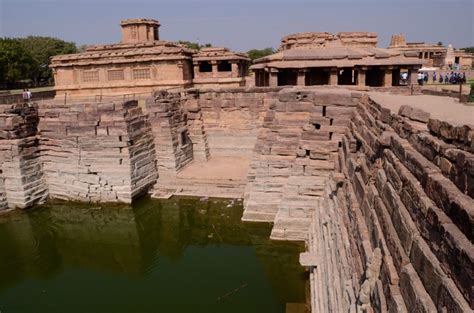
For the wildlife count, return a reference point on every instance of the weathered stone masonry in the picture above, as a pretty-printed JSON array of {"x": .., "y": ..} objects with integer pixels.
[
  {"x": 294, "y": 156},
  {"x": 383, "y": 200},
  {"x": 21, "y": 176},
  {"x": 384, "y": 203},
  {"x": 397, "y": 194},
  {"x": 98, "y": 152}
]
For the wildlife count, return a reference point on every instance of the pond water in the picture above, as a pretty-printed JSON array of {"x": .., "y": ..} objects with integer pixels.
[{"x": 177, "y": 255}]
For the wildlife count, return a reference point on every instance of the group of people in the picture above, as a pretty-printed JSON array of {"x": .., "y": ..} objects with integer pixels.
[
  {"x": 26, "y": 94},
  {"x": 448, "y": 78}
]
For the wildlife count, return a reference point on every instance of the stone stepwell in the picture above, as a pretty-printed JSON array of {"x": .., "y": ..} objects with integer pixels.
[{"x": 381, "y": 192}]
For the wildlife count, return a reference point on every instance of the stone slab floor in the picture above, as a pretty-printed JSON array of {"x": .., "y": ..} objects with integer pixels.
[{"x": 217, "y": 168}]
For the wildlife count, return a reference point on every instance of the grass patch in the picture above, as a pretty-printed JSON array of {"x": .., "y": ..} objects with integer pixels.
[{"x": 39, "y": 89}]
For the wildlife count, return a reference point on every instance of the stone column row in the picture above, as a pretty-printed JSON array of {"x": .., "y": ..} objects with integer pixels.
[
  {"x": 386, "y": 80},
  {"x": 235, "y": 69}
]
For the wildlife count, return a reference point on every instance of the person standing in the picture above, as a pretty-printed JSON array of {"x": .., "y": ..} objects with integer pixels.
[
  {"x": 24, "y": 95},
  {"x": 420, "y": 78},
  {"x": 446, "y": 78},
  {"x": 434, "y": 77},
  {"x": 28, "y": 95},
  {"x": 440, "y": 78},
  {"x": 404, "y": 77},
  {"x": 425, "y": 77}
]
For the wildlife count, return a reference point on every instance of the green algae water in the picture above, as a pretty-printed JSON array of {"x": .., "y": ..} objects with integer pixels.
[{"x": 177, "y": 255}]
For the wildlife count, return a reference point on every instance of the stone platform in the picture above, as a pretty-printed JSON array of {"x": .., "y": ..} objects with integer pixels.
[{"x": 220, "y": 177}]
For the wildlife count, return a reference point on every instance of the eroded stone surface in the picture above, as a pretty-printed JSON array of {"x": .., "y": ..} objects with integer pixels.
[{"x": 382, "y": 196}]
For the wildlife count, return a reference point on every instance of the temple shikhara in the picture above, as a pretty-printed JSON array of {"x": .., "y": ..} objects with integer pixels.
[{"x": 435, "y": 55}]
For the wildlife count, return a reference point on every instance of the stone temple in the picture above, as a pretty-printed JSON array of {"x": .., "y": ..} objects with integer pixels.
[
  {"x": 143, "y": 63},
  {"x": 435, "y": 55},
  {"x": 378, "y": 182},
  {"x": 349, "y": 58}
]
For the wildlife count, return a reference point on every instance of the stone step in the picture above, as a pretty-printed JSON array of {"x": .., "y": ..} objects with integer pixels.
[{"x": 257, "y": 216}]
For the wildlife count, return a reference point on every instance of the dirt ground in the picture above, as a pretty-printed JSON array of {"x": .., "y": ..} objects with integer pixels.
[{"x": 443, "y": 108}]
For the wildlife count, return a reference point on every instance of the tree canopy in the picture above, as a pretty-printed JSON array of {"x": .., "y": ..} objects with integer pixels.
[
  {"x": 42, "y": 49},
  {"x": 16, "y": 62},
  {"x": 194, "y": 45},
  {"x": 29, "y": 58},
  {"x": 260, "y": 53},
  {"x": 469, "y": 49}
]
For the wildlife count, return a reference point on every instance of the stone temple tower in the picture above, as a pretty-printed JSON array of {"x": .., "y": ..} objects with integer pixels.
[
  {"x": 398, "y": 40},
  {"x": 139, "y": 30}
]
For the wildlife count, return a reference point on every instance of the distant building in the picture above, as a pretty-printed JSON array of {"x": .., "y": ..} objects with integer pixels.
[
  {"x": 347, "y": 58},
  {"x": 142, "y": 62},
  {"x": 435, "y": 55},
  {"x": 215, "y": 67}
]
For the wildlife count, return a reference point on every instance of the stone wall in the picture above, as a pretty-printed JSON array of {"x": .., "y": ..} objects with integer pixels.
[
  {"x": 405, "y": 197},
  {"x": 98, "y": 152},
  {"x": 169, "y": 122},
  {"x": 233, "y": 118},
  {"x": 94, "y": 152},
  {"x": 21, "y": 177},
  {"x": 294, "y": 155}
]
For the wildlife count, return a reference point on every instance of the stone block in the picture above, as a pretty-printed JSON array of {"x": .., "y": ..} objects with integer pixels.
[
  {"x": 391, "y": 238},
  {"x": 413, "y": 291},
  {"x": 440, "y": 288},
  {"x": 458, "y": 206}
]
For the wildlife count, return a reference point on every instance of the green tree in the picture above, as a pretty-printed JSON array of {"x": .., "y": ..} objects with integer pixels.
[
  {"x": 15, "y": 62},
  {"x": 42, "y": 49},
  {"x": 468, "y": 49},
  {"x": 260, "y": 53},
  {"x": 440, "y": 43},
  {"x": 194, "y": 45}
]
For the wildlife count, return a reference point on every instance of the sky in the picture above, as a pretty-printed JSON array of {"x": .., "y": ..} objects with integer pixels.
[{"x": 241, "y": 24}]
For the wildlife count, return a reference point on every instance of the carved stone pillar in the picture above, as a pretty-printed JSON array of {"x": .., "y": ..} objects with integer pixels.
[
  {"x": 300, "y": 81},
  {"x": 273, "y": 78},
  {"x": 387, "y": 80},
  {"x": 214, "y": 68},
  {"x": 235, "y": 70},
  {"x": 196, "y": 69},
  {"x": 333, "y": 76},
  {"x": 361, "y": 76},
  {"x": 412, "y": 76}
]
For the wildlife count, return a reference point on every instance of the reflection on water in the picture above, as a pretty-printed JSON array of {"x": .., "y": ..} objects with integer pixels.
[{"x": 178, "y": 255}]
